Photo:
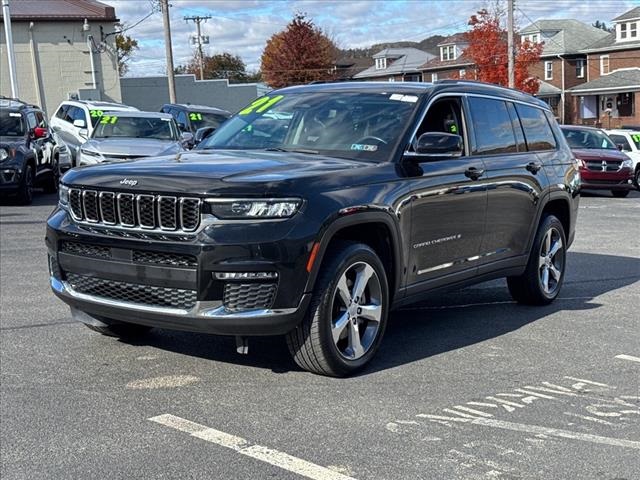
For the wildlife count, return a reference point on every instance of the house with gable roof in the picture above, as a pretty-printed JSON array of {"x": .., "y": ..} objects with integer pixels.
[{"x": 396, "y": 65}]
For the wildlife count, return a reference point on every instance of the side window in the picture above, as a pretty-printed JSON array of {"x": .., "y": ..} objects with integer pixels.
[
  {"x": 517, "y": 127},
  {"x": 181, "y": 119},
  {"x": 62, "y": 112},
  {"x": 537, "y": 129},
  {"x": 31, "y": 121},
  {"x": 492, "y": 126},
  {"x": 444, "y": 116},
  {"x": 40, "y": 120},
  {"x": 76, "y": 113},
  {"x": 621, "y": 140}
]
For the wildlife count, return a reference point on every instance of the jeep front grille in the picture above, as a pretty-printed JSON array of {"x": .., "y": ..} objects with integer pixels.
[
  {"x": 132, "y": 292},
  {"x": 140, "y": 211}
]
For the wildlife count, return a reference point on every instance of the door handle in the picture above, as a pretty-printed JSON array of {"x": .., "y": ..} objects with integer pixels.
[
  {"x": 533, "y": 167},
  {"x": 474, "y": 173}
]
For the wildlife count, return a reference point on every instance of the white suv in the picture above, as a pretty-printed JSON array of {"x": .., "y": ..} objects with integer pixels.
[
  {"x": 629, "y": 142},
  {"x": 75, "y": 120}
]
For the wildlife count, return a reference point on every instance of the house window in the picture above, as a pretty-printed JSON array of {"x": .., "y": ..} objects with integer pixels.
[
  {"x": 381, "y": 63},
  {"x": 434, "y": 77},
  {"x": 633, "y": 30},
  {"x": 623, "y": 31},
  {"x": 533, "y": 38},
  {"x": 447, "y": 53},
  {"x": 414, "y": 77},
  {"x": 392, "y": 79},
  {"x": 548, "y": 70},
  {"x": 580, "y": 68},
  {"x": 462, "y": 72},
  {"x": 604, "y": 64}
]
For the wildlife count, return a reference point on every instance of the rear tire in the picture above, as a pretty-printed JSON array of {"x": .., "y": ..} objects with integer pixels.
[
  {"x": 542, "y": 280},
  {"x": 620, "y": 193},
  {"x": 345, "y": 322},
  {"x": 120, "y": 330},
  {"x": 25, "y": 191}
]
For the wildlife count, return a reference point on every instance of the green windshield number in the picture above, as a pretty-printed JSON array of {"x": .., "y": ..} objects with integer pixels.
[
  {"x": 261, "y": 105},
  {"x": 636, "y": 137},
  {"x": 95, "y": 113},
  {"x": 196, "y": 117},
  {"x": 108, "y": 119}
]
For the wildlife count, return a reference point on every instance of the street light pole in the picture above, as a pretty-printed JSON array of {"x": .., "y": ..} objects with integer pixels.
[
  {"x": 11, "y": 55},
  {"x": 511, "y": 62},
  {"x": 169, "y": 52}
]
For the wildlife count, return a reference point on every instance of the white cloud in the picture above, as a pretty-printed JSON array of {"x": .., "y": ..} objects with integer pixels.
[{"x": 242, "y": 27}]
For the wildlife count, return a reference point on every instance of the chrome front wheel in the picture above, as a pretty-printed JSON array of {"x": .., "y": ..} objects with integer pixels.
[{"x": 551, "y": 261}]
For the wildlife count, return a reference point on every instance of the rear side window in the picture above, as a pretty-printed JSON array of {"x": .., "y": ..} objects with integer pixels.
[
  {"x": 621, "y": 140},
  {"x": 492, "y": 126},
  {"x": 536, "y": 128},
  {"x": 62, "y": 112}
]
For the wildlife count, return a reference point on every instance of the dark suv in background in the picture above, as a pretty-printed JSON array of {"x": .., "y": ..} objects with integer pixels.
[
  {"x": 30, "y": 153},
  {"x": 191, "y": 118},
  {"x": 315, "y": 211}
]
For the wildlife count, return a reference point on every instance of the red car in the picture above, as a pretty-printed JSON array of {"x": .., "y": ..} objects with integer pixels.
[{"x": 602, "y": 165}]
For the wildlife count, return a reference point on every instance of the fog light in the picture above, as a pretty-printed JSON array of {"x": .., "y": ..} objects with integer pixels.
[{"x": 245, "y": 275}]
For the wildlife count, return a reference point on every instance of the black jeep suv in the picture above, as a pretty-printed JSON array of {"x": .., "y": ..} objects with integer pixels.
[
  {"x": 315, "y": 211},
  {"x": 30, "y": 154}
]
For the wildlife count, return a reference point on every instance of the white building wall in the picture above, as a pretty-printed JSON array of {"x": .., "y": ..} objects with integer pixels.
[{"x": 62, "y": 59}]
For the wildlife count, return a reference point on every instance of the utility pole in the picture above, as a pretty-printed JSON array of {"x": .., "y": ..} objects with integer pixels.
[
  {"x": 199, "y": 39},
  {"x": 164, "y": 4},
  {"x": 510, "y": 50},
  {"x": 11, "y": 55}
]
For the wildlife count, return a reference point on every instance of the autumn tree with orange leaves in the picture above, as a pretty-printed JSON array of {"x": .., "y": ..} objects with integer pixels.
[
  {"x": 299, "y": 54},
  {"x": 488, "y": 50}
]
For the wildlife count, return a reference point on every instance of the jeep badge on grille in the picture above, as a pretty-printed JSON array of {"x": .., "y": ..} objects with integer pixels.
[{"x": 126, "y": 181}]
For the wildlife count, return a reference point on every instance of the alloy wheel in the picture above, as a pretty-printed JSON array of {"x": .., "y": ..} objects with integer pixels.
[
  {"x": 357, "y": 311},
  {"x": 551, "y": 261}
]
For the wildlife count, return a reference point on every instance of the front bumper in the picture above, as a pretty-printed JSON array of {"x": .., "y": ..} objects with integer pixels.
[
  {"x": 10, "y": 179},
  {"x": 622, "y": 180},
  {"x": 128, "y": 279},
  {"x": 205, "y": 317}
]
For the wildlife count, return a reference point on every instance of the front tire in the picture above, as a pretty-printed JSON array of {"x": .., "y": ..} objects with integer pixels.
[
  {"x": 542, "y": 280},
  {"x": 620, "y": 193},
  {"x": 25, "y": 191},
  {"x": 347, "y": 316},
  {"x": 51, "y": 185}
]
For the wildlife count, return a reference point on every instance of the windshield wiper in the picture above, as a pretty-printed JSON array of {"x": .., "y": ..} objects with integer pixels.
[{"x": 292, "y": 150}]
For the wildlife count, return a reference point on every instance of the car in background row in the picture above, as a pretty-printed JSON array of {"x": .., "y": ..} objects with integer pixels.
[
  {"x": 75, "y": 120},
  {"x": 30, "y": 153},
  {"x": 128, "y": 135},
  {"x": 602, "y": 165},
  {"x": 628, "y": 141},
  {"x": 191, "y": 118}
]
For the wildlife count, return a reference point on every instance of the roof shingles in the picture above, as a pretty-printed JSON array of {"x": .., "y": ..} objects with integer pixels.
[{"x": 60, "y": 10}]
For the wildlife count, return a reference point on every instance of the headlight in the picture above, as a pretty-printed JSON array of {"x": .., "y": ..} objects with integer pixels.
[
  {"x": 628, "y": 163},
  {"x": 89, "y": 156},
  {"x": 4, "y": 154},
  {"x": 63, "y": 195},
  {"x": 238, "y": 209}
]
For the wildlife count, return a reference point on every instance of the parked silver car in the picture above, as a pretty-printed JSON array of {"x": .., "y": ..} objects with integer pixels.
[{"x": 121, "y": 136}]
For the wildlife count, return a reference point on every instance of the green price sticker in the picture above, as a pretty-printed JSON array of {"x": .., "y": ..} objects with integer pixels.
[
  {"x": 95, "y": 113},
  {"x": 636, "y": 137},
  {"x": 195, "y": 116},
  {"x": 108, "y": 119},
  {"x": 261, "y": 105}
]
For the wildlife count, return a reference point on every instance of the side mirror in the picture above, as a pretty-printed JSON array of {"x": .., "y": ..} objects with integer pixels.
[
  {"x": 620, "y": 146},
  {"x": 439, "y": 144},
  {"x": 203, "y": 133},
  {"x": 40, "y": 132},
  {"x": 84, "y": 133},
  {"x": 187, "y": 139},
  {"x": 80, "y": 123}
]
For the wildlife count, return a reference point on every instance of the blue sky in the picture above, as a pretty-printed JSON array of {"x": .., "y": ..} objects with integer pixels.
[{"x": 242, "y": 27}]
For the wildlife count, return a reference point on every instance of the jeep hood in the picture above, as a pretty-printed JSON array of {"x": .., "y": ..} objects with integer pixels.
[
  {"x": 132, "y": 147},
  {"x": 209, "y": 172}
]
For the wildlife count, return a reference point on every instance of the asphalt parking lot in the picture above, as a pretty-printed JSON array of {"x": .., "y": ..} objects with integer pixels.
[{"x": 466, "y": 385}]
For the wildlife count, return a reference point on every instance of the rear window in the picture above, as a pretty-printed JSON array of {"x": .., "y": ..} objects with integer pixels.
[
  {"x": 492, "y": 126},
  {"x": 536, "y": 128}
]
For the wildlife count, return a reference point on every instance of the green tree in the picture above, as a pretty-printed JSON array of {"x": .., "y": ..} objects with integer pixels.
[
  {"x": 299, "y": 54},
  {"x": 125, "y": 49},
  {"x": 222, "y": 65}
]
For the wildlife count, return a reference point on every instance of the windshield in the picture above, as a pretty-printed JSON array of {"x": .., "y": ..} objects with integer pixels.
[
  {"x": 11, "y": 124},
  {"x": 589, "y": 139},
  {"x": 112, "y": 126},
  {"x": 203, "y": 119},
  {"x": 350, "y": 125}
]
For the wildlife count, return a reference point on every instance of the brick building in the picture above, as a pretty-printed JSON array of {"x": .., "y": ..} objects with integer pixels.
[
  {"x": 62, "y": 48},
  {"x": 451, "y": 62},
  {"x": 610, "y": 96}
]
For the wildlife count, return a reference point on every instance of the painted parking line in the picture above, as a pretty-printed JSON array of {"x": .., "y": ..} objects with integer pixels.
[
  {"x": 628, "y": 357},
  {"x": 538, "y": 430},
  {"x": 243, "y": 447}
]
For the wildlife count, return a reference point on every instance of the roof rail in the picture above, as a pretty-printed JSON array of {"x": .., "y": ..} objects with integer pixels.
[{"x": 17, "y": 100}]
